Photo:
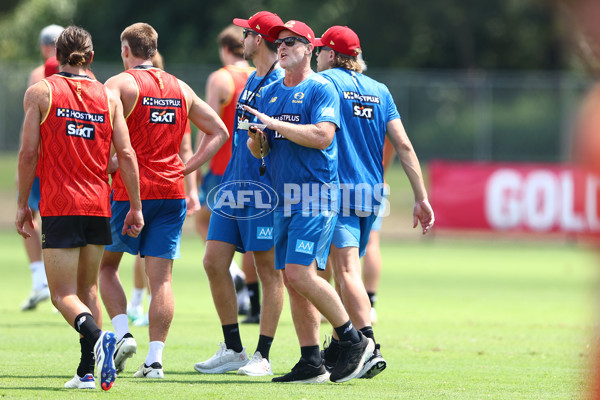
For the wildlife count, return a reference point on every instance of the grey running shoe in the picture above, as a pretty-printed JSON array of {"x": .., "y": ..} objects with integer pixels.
[
  {"x": 223, "y": 361},
  {"x": 35, "y": 297}
]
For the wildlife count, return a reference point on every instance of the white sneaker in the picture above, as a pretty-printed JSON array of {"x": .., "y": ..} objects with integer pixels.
[
  {"x": 373, "y": 316},
  {"x": 257, "y": 366},
  {"x": 142, "y": 321},
  {"x": 134, "y": 312},
  {"x": 36, "y": 297},
  {"x": 224, "y": 360},
  {"x": 155, "y": 371},
  {"x": 104, "y": 351},
  {"x": 126, "y": 348},
  {"x": 87, "y": 382}
]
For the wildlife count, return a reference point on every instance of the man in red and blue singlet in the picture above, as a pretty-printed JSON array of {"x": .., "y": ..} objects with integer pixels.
[{"x": 156, "y": 106}]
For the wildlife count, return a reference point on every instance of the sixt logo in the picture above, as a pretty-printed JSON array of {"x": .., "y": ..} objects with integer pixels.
[
  {"x": 86, "y": 131},
  {"x": 362, "y": 111},
  {"x": 304, "y": 246},
  {"x": 264, "y": 232},
  {"x": 162, "y": 116}
]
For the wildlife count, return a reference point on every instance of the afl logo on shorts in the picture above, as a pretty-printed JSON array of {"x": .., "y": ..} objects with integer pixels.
[
  {"x": 162, "y": 116},
  {"x": 86, "y": 131}
]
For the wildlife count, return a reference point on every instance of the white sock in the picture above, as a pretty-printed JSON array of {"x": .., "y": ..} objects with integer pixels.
[
  {"x": 137, "y": 297},
  {"x": 38, "y": 275},
  {"x": 121, "y": 325},
  {"x": 155, "y": 353}
]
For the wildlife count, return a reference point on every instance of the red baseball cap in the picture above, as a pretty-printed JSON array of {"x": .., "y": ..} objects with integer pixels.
[
  {"x": 299, "y": 28},
  {"x": 261, "y": 22},
  {"x": 341, "y": 39}
]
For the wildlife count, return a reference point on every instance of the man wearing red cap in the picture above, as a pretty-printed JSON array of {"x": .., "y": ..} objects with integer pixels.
[
  {"x": 368, "y": 111},
  {"x": 242, "y": 229},
  {"x": 301, "y": 114}
]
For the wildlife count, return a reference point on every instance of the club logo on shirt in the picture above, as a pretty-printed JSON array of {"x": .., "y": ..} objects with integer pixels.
[
  {"x": 273, "y": 99},
  {"x": 298, "y": 98},
  {"x": 304, "y": 246},
  {"x": 86, "y": 131},
  {"x": 264, "y": 232},
  {"x": 162, "y": 116},
  {"x": 362, "y": 111}
]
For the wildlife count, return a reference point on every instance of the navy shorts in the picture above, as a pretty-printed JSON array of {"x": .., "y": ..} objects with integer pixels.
[{"x": 161, "y": 236}]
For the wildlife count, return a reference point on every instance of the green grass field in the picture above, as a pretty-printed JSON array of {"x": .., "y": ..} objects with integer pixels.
[{"x": 457, "y": 320}]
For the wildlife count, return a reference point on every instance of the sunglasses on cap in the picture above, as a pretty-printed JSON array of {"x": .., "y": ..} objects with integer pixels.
[
  {"x": 322, "y": 48},
  {"x": 247, "y": 32},
  {"x": 290, "y": 41}
]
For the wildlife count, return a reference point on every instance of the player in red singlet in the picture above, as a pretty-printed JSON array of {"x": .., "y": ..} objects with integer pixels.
[
  {"x": 156, "y": 105},
  {"x": 70, "y": 122}
]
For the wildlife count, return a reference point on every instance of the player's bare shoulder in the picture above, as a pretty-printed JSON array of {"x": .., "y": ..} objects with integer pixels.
[{"x": 37, "y": 95}]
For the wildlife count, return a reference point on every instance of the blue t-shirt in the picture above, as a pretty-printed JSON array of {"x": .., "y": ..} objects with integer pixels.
[
  {"x": 304, "y": 178},
  {"x": 243, "y": 167},
  {"x": 366, "y": 107}
]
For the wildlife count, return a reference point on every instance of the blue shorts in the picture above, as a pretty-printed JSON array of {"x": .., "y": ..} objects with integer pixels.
[
  {"x": 247, "y": 233},
  {"x": 161, "y": 236},
  {"x": 377, "y": 224},
  {"x": 353, "y": 231},
  {"x": 301, "y": 240},
  {"x": 209, "y": 181},
  {"x": 34, "y": 195}
]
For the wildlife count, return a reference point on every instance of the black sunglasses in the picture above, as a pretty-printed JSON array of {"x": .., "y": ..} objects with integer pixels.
[
  {"x": 322, "y": 48},
  {"x": 290, "y": 41},
  {"x": 248, "y": 32}
]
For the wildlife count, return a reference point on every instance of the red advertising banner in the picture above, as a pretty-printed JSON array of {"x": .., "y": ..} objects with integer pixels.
[{"x": 514, "y": 197}]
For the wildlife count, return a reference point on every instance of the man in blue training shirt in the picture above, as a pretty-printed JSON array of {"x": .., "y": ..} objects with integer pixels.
[
  {"x": 368, "y": 112},
  {"x": 246, "y": 227},
  {"x": 301, "y": 114}
]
